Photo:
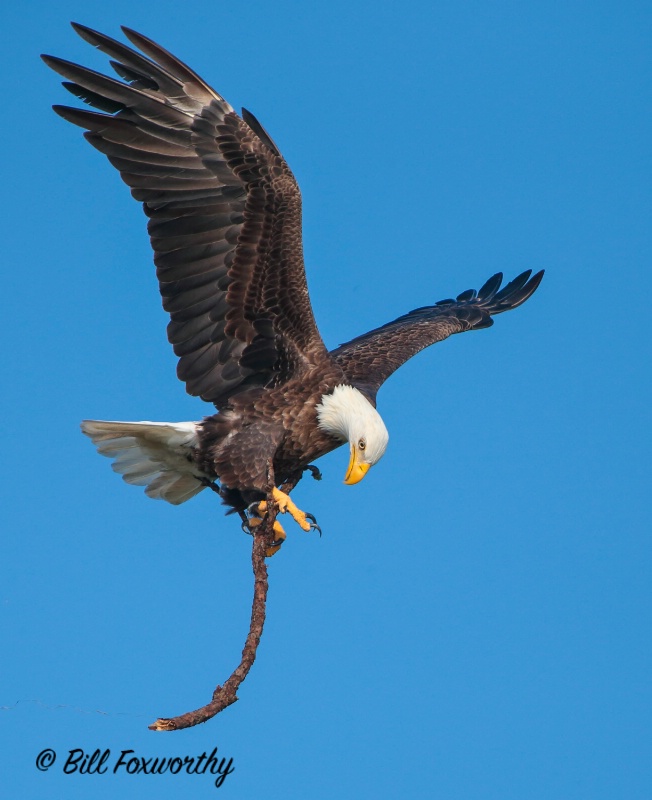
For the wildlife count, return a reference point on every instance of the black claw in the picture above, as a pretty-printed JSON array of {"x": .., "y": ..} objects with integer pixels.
[
  {"x": 209, "y": 484},
  {"x": 252, "y": 508},
  {"x": 245, "y": 522},
  {"x": 314, "y": 471},
  {"x": 313, "y": 523}
]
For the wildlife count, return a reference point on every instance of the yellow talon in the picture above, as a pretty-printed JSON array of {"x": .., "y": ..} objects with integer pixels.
[{"x": 286, "y": 505}]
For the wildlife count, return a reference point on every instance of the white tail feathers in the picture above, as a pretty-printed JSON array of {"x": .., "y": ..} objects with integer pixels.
[{"x": 157, "y": 455}]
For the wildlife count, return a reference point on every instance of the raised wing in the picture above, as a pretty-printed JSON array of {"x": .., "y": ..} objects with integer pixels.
[
  {"x": 224, "y": 215},
  {"x": 370, "y": 359}
]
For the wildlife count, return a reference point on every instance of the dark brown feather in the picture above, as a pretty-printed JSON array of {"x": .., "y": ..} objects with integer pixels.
[
  {"x": 225, "y": 216},
  {"x": 370, "y": 359}
]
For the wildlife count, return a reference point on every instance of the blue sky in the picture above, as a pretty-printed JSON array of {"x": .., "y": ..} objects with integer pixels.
[{"x": 475, "y": 621}]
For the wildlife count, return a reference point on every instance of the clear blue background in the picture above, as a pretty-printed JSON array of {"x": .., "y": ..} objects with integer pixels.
[{"x": 475, "y": 621}]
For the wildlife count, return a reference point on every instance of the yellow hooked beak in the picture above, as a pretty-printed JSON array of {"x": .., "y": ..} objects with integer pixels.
[{"x": 357, "y": 469}]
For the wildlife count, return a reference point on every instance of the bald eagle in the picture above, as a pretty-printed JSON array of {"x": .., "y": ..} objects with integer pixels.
[{"x": 224, "y": 214}]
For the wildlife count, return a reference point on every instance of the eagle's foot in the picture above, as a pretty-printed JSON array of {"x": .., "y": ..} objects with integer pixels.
[
  {"x": 314, "y": 471},
  {"x": 305, "y": 521},
  {"x": 279, "y": 534},
  {"x": 258, "y": 510}
]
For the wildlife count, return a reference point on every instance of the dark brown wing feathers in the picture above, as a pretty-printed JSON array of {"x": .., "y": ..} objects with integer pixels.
[
  {"x": 224, "y": 209},
  {"x": 370, "y": 359},
  {"x": 225, "y": 224}
]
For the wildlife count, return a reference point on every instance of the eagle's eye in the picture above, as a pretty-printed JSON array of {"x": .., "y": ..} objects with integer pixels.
[{"x": 362, "y": 444}]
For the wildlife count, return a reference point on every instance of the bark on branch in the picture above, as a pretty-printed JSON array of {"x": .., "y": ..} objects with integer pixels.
[{"x": 225, "y": 695}]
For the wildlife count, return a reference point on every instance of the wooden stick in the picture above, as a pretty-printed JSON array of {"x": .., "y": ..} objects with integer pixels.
[{"x": 225, "y": 695}]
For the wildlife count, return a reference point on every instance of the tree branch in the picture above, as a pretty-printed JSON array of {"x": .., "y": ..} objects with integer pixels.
[{"x": 225, "y": 695}]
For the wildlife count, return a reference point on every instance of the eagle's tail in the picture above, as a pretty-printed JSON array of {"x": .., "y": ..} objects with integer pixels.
[{"x": 157, "y": 455}]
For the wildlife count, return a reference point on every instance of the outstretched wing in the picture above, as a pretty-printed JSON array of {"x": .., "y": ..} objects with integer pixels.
[
  {"x": 224, "y": 215},
  {"x": 369, "y": 360}
]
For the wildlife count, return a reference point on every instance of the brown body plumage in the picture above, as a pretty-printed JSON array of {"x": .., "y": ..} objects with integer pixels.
[
  {"x": 267, "y": 435},
  {"x": 225, "y": 224}
]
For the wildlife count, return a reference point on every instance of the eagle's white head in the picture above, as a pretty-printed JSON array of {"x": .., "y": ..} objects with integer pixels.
[{"x": 347, "y": 415}]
